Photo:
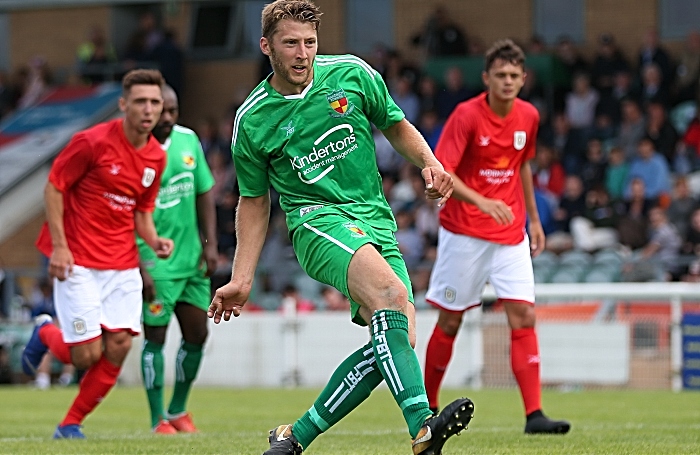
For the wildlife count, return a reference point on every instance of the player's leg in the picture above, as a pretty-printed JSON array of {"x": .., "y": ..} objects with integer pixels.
[
  {"x": 118, "y": 319},
  {"x": 380, "y": 283},
  {"x": 456, "y": 283},
  {"x": 439, "y": 353},
  {"x": 355, "y": 378},
  {"x": 513, "y": 280},
  {"x": 156, "y": 317},
  {"x": 193, "y": 321}
]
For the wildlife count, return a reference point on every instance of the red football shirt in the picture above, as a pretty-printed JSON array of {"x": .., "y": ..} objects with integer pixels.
[
  {"x": 103, "y": 179},
  {"x": 486, "y": 151}
]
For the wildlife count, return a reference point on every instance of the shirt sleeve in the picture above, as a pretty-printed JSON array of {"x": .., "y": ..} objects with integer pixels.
[
  {"x": 251, "y": 166},
  {"x": 379, "y": 107},
  {"x": 203, "y": 179},
  {"x": 72, "y": 163},
  {"x": 453, "y": 140},
  {"x": 531, "y": 145}
]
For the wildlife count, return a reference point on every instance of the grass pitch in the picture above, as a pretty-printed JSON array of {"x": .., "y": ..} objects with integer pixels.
[{"x": 236, "y": 421}]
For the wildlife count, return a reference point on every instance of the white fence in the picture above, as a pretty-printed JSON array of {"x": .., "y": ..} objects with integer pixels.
[{"x": 275, "y": 349}]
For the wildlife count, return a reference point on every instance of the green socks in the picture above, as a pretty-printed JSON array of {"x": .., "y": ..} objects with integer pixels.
[
  {"x": 360, "y": 373},
  {"x": 152, "y": 370},
  {"x": 351, "y": 383},
  {"x": 399, "y": 366},
  {"x": 189, "y": 357}
]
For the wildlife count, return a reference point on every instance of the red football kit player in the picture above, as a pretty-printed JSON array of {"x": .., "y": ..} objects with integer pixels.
[
  {"x": 102, "y": 187},
  {"x": 486, "y": 146}
]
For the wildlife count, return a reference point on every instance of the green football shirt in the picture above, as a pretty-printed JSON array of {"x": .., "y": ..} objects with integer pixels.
[
  {"x": 316, "y": 148},
  {"x": 186, "y": 176}
]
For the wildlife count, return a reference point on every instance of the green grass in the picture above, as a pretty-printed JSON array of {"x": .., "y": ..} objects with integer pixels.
[{"x": 236, "y": 421}]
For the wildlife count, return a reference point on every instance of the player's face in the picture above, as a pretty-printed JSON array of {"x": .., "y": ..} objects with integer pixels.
[
  {"x": 142, "y": 107},
  {"x": 292, "y": 50},
  {"x": 504, "y": 80},
  {"x": 168, "y": 118}
]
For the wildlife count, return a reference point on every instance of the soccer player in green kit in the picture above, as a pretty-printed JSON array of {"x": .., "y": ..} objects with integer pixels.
[
  {"x": 306, "y": 132},
  {"x": 180, "y": 284}
]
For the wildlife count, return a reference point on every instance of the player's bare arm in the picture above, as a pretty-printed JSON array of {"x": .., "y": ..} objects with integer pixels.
[
  {"x": 61, "y": 260},
  {"x": 252, "y": 218},
  {"x": 537, "y": 238},
  {"x": 495, "y": 208},
  {"x": 206, "y": 212},
  {"x": 406, "y": 140},
  {"x": 146, "y": 229}
]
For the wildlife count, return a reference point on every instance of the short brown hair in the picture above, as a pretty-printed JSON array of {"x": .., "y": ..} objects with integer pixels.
[
  {"x": 297, "y": 10},
  {"x": 141, "y": 77},
  {"x": 505, "y": 50}
]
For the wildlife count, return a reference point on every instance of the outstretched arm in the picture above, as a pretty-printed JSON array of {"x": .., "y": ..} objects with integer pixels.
[
  {"x": 252, "y": 218},
  {"x": 406, "y": 140}
]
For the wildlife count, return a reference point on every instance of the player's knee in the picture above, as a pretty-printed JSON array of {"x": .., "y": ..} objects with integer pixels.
[
  {"x": 198, "y": 336},
  {"x": 83, "y": 360},
  {"x": 449, "y": 323},
  {"x": 395, "y": 296}
]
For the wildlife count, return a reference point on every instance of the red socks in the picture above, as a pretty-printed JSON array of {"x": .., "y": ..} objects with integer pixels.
[
  {"x": 95, "y": 385},
  {"x": 437, "y": 358},
  {"x": 52, "y": 337},
  {"x": 525, "y": 361}
]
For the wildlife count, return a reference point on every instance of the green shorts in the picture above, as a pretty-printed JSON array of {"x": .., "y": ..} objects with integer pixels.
[
  {"x": 194, "y": 290},
  {"x": 325, "y": 245}
]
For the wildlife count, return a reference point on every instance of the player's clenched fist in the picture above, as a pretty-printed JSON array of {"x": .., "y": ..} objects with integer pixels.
[
  {"x": 228, "y": 299},
  {"x": 438, "y": 184}
]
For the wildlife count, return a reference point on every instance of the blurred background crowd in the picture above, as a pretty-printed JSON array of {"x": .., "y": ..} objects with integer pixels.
[{"x": 616, "y": 170}]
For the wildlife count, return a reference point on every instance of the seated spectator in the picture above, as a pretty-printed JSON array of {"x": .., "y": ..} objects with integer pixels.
[
  {"x": 682, "y": 206},
  {"x": 226, "y": 222},
  {"x": 427, "y": 94},
  {"x": 691, "y": 243},
  {"x": 223, "y": 175},
  {"x": 389, "y": 161},
  {"x": 568, "y": 144},
  {"x": 545, "y": 212},
  {"x": 301, "y": 304},
  {"x": 656, "y": 261},
  {"x": 616, "y": 174},
  {"x": 632, "y": 226},
  {"x": 452, "y": 94},
  {"x": 571, "y": 205},
  {"x": 652, "y": 168},
  {"x": 430, "y": 127},
  {"x": 406, "y": 99},
  {"x": 660, "y": 130},
  {"x": 610, "y": 103},
  {"x": 547, "y": 174},
  {"x": 569, "y": 56},
  {"x": 441, "y": 36},
  {"x": 411, "y": 242},
  {"x": 653, "y": 88},
  {"x": 691, "y": 138},
  {"x": 608, "y": 62},
  {"x": 95, "y": 57},
  {"x": 631, "y": 129},
  {"x": 581, "y": 103},
  {"x": 169, "y": 57},
  {"x": 596, "y": 229},
  {"x": 651, "y": 52},
  {"x": 688, "y": 70},
  {"x": 39, "y": 81},
  {"x": 593, "y": 169},
  {"x": 334, "y": 300}
]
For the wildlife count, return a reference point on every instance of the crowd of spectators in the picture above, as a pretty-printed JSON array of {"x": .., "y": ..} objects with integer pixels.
[{"x": 617, "y": 151}]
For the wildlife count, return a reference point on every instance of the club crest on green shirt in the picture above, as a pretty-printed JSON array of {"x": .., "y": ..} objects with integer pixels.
[
  {"x": 188, "y": 160},
  {"x": 340, "y": 105}
]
